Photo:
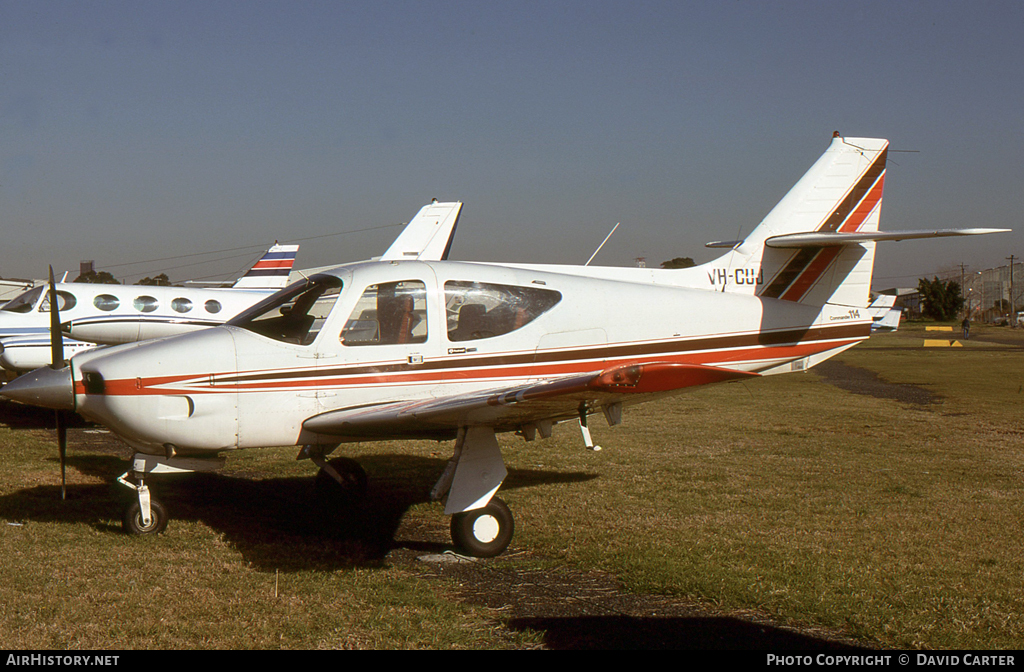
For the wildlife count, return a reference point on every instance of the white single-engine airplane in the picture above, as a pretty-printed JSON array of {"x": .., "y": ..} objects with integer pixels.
[{"x": 448, "y": 350}]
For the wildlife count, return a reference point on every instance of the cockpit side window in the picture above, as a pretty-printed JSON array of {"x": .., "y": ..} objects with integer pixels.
[
  {"x": 293, "y": 315},
  {"x": 24, "y": 302},
  {"x": 65, "y": 301},
  {"x": 389, "y": 313},
  {"x": 478, "y": 310}
]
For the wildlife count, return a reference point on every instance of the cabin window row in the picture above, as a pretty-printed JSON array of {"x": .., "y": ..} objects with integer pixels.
[
  {"x": 395, "y": 313},
  {"x": 148, "y": 304},
  {"x": 104, "y": 302}
]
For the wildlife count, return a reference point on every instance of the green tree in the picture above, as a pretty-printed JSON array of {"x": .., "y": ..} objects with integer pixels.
[
  {"x": 678, "y": 262},
  {"x": 160, "y": 280},
  {"x": 101, "y": 278},
  {"x": 940, "y": 299}
]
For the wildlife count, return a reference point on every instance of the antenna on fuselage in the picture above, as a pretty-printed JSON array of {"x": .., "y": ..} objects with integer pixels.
[{"x": 602, "y": 244}]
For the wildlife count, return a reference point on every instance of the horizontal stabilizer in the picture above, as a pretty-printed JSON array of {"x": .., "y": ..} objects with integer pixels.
[
  {"x": 511, "y": 407},
  {"x": 828, "y": 239}
]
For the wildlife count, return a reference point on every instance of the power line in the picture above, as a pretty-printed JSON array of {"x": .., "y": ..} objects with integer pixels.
[{"x": 248, "y": 247}]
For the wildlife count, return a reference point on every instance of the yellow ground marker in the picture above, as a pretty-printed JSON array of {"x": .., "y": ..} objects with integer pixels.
[
  {"x": 938, "y": 328},
  {"x": 942, "y": 343}
]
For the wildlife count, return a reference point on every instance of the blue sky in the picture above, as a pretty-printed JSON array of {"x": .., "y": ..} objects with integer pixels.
[{"x": 133, "y": 131}]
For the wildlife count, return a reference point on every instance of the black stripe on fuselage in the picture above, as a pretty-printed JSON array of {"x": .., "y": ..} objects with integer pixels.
[{"x": 763, "y": 339}]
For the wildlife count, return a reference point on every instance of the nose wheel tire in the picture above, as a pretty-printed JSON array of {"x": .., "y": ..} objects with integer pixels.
[
  {"x": 485, "y": 532},
  {"x": 132, "y": 519}
]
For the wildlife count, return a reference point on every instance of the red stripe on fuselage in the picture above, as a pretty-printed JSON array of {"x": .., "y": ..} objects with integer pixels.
[{"x": 462, "y": 371}]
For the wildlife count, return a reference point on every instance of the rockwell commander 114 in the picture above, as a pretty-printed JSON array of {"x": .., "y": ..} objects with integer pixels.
[{"x": 461, "y": 351}]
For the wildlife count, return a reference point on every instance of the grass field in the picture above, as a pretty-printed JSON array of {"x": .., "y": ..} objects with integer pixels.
[{"x": 895, "y": 524}]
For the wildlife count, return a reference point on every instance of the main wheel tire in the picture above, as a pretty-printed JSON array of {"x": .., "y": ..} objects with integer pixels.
[
  {"x": 132, "y": 519},
  {"x": 484, "y": 532},
  {"x": 331, "y": 493}
]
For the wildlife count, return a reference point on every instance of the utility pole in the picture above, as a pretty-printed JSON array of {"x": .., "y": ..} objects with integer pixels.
[
  {"x": 963, "y": 292},
  {"x": 1013, "y": 311}
]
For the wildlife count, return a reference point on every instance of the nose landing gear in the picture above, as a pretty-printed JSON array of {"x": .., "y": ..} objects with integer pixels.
[{"x": 145, "y": 514}]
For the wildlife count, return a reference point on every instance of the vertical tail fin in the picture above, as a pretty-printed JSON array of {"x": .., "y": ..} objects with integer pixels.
[
  {"x": 841, "y": 193},
  {"x": 428, "y": 237},
  {"x": 271, "y": 271}
]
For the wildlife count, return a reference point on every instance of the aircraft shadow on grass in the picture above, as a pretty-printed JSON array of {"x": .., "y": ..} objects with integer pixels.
[
  {"x": 276, "y": 523},
  {"x": 22, "y": 416}
]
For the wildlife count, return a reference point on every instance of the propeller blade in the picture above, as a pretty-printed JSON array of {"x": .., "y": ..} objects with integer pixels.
[
  {"x": 56, "y": 339},
  {"x": 57, "y": 362}
]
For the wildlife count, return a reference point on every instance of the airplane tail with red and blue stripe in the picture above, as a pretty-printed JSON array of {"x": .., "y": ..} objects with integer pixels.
[{"x": 271, "y": 271}]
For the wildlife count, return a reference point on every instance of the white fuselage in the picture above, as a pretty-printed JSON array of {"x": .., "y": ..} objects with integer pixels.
[
  {"x": 231, "y": 387},
  {"x": 110, "y": 314}
]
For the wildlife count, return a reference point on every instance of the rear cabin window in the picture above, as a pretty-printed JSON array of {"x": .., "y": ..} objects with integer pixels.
[
  {"x": 389, "y": 313},
  {"x": 477, "y": 310},
  {"x": 181, "y": 305}
]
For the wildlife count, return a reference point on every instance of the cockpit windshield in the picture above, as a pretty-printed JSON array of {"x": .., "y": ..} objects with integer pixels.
[
  {"x": 295, "y": 314},
  {"x": 24, "y": 302}
]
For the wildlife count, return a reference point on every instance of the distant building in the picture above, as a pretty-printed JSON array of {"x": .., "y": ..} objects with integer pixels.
[{"x": 987, "y": 294}]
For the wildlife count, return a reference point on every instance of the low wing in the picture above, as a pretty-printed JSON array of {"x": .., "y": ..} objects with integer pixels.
[
  {"x": 512, "y": 408},
  {"x": 428, "y": 237}
]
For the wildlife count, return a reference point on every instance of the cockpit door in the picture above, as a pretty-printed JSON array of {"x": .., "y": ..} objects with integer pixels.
[{"x": 387, "y": 340}]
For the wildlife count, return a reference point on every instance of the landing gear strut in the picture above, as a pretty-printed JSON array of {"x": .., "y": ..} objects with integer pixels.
[
  {"x": 145, "y": 514},
  {"x": 482, "y": 524},
  {"x": 340, "y": 482}
]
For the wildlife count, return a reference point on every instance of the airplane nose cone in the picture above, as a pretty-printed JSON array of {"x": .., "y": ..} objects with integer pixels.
[{"x": 50, "y": 388}]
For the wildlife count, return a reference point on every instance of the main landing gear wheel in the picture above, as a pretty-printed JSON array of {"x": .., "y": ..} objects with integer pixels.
[
  {"x": 484, "y": 532},
  {"x": 132, "y": 519},
  {"x": 349, "y": 491}
]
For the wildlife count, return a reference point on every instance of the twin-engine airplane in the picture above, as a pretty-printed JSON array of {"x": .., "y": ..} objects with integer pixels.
[
  {"x": 102, "y": 314},
  {"x": 99, "y": 314},
  {"x": 400, "y": 349}
]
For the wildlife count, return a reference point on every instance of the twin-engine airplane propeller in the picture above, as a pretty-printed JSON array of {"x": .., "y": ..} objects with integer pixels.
[{"x": 398, "y": 349}]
